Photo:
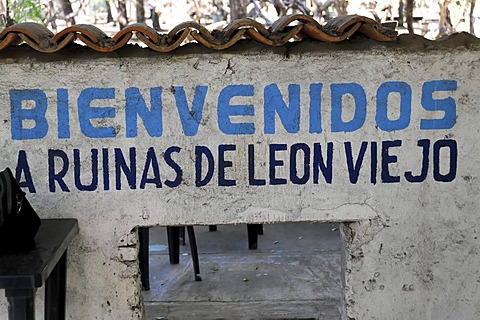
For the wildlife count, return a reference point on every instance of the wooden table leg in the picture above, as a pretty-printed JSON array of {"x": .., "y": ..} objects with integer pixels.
[
  {"x": 21, "y": 304},
  {"x": 55, "y": 290}
]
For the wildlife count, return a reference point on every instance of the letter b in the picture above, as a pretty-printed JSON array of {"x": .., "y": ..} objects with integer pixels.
[{"x": 37, "y": 114}]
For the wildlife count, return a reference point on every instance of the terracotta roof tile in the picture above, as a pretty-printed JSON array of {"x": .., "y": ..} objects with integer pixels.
[{"x": 283, "y": 30}]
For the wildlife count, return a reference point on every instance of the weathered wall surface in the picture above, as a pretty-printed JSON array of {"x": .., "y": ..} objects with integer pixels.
[{"x": 382, "y": 135}]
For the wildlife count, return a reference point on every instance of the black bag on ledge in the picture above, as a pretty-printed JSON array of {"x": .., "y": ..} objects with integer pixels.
[{"x": 19, "y": 223}]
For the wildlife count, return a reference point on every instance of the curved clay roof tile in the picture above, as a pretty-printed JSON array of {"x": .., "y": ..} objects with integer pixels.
[{"x": 290, "y": 27}]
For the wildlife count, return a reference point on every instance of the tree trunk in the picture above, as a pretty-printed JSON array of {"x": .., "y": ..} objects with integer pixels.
[
  {"x": 109, "y": 11},
  {"x": 122, "y": 14},
  {"x": 140, "y": 8},
  {"x": 155, "y": 20},
  {"x": 341, "y": 6},
  {"x": 9, "y": 19},
  {"x": 443, "y": 24},
  {"x": 3, "y": 14},
  {"x": 401, "y": 13},
  {"x": 280, "y": 8},
  {"x": 410, "y": 4},
  {"x": 51, "y": 16},
  {"x": 472, "y": 19},
  {"x": 198, "y": 11},
  {"x": 238, "y": 9},
  {"x": 67, "y": 10}
]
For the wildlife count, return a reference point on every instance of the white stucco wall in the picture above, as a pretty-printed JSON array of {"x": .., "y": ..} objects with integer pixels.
[{"x": 412, "y": 255}]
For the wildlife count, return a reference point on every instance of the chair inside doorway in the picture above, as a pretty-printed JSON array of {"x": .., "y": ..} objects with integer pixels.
[{"x": 294, "y": 273}]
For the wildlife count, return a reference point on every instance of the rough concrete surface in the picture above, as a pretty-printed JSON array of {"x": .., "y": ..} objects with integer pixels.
[
  {"x": 410, "y": 233},
  {"x": 294, "y": 273}
]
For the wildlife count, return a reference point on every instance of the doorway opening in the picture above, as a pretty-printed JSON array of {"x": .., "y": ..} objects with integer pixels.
[{"x": 294, "y": 273}]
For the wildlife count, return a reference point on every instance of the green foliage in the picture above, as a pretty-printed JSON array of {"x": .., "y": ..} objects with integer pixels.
[{"x": 26, "y": 10}]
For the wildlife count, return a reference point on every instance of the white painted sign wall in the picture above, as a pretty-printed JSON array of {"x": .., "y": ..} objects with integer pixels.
[{"x": 386, "y": 136}]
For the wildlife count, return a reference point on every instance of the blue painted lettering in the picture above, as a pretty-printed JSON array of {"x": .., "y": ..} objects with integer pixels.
[
  {"x": 86, "y": 113},
  {"x": 251, "y": 168},
  {"x": 23, "y": 167},
  {"x": 275, "y": 104},
  {"x": 385, "y": 89},
  {"x": 225, "y": 110},
  {"x": 36, "y": 114},
  {"x": 201, "y": 151},
  {"x": 135, "y": 106},
  {"x": 151, "y": 161},
  {"x": 425, "y": 145},
  {"x": 63, "y": 114},
  {"x": 223, "y": 164},
  {"x": 130, "y": 171},
  {"x": 315, "y": 108},
  {"x": 326, "y": 167},
  {"x": 178, "y": 170},
  {"x": 388, "y": 159},
  {"x": 453, "y": 155},
  {"x": 94, "y": 169},
  {"x": 273, "y": 148},
  {"x": 58, "y": 177},
  {"x": 294, "y": 149},
  {"x": 373, "y": 163},
  {"x": 354, "y": 168},
  {"x": 338, "y": 90},
  {"x": 106, "y": 169},
  {"x": 190, "y": 118},
  {"x": 447, "y": 105}
]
